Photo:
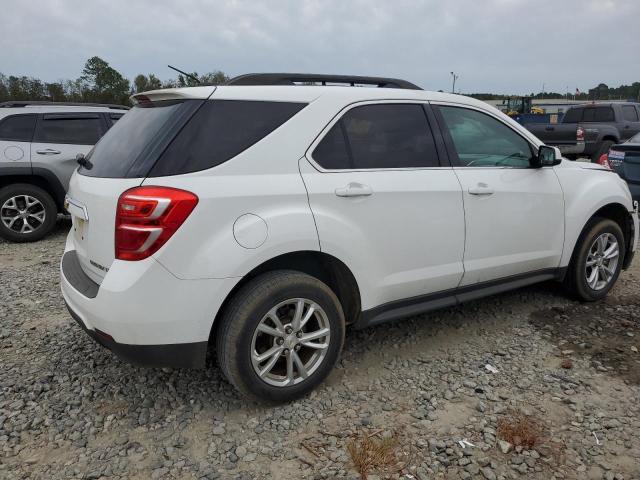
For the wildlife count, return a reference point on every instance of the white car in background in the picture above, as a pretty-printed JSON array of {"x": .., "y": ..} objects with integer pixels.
[{"x": 261, "y": 218}]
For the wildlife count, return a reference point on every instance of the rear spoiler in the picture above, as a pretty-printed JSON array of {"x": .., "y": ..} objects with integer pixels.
[{"x": 198, "y": 93}]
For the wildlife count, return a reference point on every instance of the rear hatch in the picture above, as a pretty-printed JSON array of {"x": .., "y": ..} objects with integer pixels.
[
  {"x": 625, "y": 160},
  {"x": 120, "y": 161}
]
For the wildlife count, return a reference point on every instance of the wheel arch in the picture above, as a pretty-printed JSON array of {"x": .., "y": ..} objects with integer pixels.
[
  {"x": 612, "y": 211},
  {"x": 326, "y": 268},
  {"x": 47, "y": 181}
]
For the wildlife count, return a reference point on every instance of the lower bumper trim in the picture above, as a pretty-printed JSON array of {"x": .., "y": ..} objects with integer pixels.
[{"x": 175, "y": 355}]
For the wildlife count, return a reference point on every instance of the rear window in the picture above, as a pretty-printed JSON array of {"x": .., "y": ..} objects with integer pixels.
[
  {"x": 220, "y": 130},
  {"x": 128, "y": 148},
  {"x": 18, "y": 128},
  {"x": 71, "y": 129}
]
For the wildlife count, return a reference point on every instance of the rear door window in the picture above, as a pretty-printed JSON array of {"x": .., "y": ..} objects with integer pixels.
[
  {"x": 84, "y": 129},
  {"x": 220, "y": 130},
  {"x": 18, "y": 128},
  {"x": 378, "y": 137}
]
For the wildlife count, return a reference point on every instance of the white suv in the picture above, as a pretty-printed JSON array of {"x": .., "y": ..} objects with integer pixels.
[{"x": 262, "y": 217}]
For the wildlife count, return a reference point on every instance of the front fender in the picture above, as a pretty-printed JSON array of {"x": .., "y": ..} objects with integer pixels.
[{"x": 586, "y": 190}]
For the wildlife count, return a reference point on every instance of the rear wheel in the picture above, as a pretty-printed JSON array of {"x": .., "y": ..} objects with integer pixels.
[
  {"x": 604, "y": 148},
  {"x": 27, "y": 213},
  {"x": 598, "y": 260},
  {"x": 280, "y": 336}
]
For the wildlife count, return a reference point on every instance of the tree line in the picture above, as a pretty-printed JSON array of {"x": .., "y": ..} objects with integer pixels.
[
  {"x": 600, "y": 92},
  {"x": 98, "y": 83},
  {"x": 101, "y": 83}
]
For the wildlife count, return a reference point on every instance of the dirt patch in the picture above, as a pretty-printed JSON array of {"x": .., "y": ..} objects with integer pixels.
[{"x": 607, "y": 332}]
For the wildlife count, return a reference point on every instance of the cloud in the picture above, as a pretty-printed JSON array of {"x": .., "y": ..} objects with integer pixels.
[{"x": 494, "y": 45}]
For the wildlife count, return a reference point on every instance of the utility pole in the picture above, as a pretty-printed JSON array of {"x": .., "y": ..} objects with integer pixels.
[{"x": 455, "y": 77}]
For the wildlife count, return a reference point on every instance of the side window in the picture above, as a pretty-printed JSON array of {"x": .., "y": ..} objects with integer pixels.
[
  {"x": 629, "y": 113},
  {"x": 379, "y": 136},
  {"x": 331, "y": 153},
  {"x": 18, "y": 128},
  {"x": 73, "y": 129},
  {"x": 220, "y": 130},
  {"x": 605, "y": 114},
  {"x": 115, "y": 117},
  {"x": 482, "y": 141},
  {"x": 573, "y": 115}
]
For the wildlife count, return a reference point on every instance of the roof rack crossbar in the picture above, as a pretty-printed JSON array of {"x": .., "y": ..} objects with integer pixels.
[
  {"x": 26, "y": 103},
  {"x": 293, "y": 78}
]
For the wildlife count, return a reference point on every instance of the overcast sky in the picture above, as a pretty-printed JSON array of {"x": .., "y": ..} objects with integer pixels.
[{"x": 502, "y": 46}]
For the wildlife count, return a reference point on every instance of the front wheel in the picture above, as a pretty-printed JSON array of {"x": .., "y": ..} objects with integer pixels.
[
  {"x": 598, "y": 260},
  {"x": 280, "y": 336}
]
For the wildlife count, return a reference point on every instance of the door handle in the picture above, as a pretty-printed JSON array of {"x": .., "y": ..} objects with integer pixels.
[
  {"x": 354, "y": 189},
  {"x": 481, "y": 189},
  {"x": 549, "y": 129},
  {"x": 48, "y": 151}
]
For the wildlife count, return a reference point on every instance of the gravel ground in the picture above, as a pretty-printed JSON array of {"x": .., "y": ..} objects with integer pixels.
[{"x": 70, "y": 409}]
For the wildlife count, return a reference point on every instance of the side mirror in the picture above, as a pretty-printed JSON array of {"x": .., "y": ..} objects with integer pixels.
[{"x": 547, "y": 157}]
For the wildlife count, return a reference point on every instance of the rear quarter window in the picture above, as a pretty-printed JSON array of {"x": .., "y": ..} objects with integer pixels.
[
  {"x": 220, "y": 130},
  {"x": 18, "y": 128}
]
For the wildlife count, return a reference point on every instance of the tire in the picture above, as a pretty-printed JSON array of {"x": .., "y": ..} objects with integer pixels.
[
  {"x": 238, "y": 336},
  {"x": 42, "y": 218},
  {"x": 604, "y": 148},
  {"x": 577, "y": 277}
]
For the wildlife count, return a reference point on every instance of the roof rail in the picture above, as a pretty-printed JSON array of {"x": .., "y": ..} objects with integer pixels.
[
  {"x": 293, "y": 78},
  {"x": 26, "y": 103}
]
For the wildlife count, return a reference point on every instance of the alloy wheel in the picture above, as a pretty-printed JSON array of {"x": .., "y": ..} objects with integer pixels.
[
  {"x": 22, "y": 213},
  {"x": 290, "y": 342},
  {"x": 602, "y": 261}
]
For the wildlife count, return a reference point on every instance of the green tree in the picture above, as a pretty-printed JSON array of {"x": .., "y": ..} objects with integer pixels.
[
  {"x": 55, "y": 91},
  {"x": 103, "y": 83},
  {"x": 142, "y": 83}
]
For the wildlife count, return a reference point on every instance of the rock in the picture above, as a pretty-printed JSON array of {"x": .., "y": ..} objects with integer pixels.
[
  {"x": 505, "y": 447},
  {"x": 488, "y": 473}
]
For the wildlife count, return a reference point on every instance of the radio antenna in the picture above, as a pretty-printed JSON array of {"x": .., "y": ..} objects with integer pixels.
[{"x": 192, "y": 77}]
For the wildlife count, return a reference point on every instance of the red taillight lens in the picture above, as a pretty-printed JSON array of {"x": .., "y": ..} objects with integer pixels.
[
  {"x": 604, "y": 161},
  {"x": 580, "y": 134},
  {"x": 147, "y": 217}
]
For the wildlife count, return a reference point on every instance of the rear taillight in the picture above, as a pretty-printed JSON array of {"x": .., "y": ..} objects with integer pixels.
[
  {"x": 580, "y": 134},
  {"x": 147, "y": 217},
  {"x": 604, "y": 161}
]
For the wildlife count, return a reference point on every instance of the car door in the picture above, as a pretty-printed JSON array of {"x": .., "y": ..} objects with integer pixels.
[
  {"x": 16, "y": 132},
  {"x": 60, "y": 137},
  {"x": 514, "y": 213},
  {"x": 384, "y": 204}
]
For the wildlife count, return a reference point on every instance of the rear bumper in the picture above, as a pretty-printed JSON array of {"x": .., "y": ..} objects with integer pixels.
[
  {"x": 143, "y": 313},
  {"x": 179, "y": 355}
]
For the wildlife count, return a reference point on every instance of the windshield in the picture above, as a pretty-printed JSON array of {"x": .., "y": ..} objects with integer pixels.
[
  {"x": 130, "y": 147},
  {"x": 634, "y": 139}
]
